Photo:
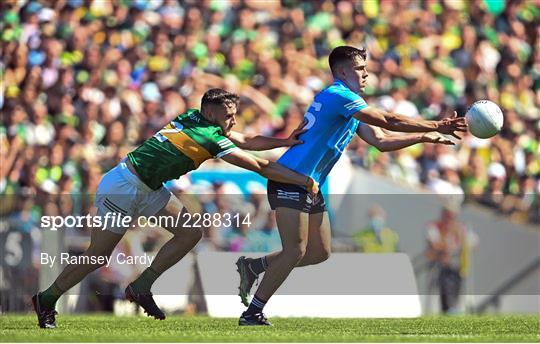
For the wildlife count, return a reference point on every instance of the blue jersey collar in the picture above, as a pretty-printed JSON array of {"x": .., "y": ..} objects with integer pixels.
[{"x": 339, "y": 82}]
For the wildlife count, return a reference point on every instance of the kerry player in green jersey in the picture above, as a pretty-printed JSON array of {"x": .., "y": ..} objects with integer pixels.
[{"x": 135, "y": 188}]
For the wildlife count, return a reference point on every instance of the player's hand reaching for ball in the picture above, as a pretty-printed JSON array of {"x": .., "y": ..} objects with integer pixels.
[
  {"x": 435, "y": 137},
  {"x": 450, "y": 126},
  {"x": 293, "y": 139}
]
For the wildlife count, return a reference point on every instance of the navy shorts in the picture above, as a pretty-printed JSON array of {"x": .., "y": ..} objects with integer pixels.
[{"x": 294, "y": 197}]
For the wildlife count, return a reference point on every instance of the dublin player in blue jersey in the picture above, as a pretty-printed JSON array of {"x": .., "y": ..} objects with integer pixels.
[{"x": 336, "y": 114}]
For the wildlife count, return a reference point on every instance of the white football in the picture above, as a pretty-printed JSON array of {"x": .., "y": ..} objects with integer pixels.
[{"x": 485, "y": 119}]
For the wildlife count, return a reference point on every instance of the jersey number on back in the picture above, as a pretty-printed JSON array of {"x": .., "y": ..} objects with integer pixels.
[
  {"x": 310, "y": 117},
  {"x": 316, "y": 107},
  {"x": 171, "y": 128}
]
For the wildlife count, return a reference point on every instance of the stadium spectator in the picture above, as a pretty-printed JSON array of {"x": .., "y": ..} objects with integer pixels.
[
  {"x": 447, "y": 252},
  {"x": 377, "y": 237}
]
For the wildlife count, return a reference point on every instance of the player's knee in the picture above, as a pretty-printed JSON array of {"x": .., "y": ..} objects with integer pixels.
[
  {"x": 296, "y": 252},
  {"x": 316, "y": 256},
  {"x": 323, "y": 255}
]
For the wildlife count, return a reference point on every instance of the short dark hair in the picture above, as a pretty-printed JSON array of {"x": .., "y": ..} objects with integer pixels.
[
  {"x": 344, "y": 53},
  {"x": 218, "y": 96}
]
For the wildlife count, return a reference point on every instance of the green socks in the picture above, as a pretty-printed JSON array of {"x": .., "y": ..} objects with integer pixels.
[
  {"x": 49, "y": 297},
  {"x": 145, "y": 280}
]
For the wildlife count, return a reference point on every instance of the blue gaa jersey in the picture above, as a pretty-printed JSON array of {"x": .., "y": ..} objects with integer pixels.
[{"x": 330, "y": 129}]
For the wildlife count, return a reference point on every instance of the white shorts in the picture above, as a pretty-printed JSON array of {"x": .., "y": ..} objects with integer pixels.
[{"x": 123, "y": 193}]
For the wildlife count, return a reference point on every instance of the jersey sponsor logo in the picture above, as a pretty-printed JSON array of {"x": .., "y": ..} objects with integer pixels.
[
  {"x": 294, "y": 196},
  {"x": 344, "y": 141},
  {"x": 355, "y": 104}
]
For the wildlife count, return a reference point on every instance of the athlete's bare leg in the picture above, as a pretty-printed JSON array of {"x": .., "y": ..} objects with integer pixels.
[{"x": 293, "y": 229}]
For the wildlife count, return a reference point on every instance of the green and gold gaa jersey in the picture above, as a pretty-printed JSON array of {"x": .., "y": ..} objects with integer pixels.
[{"x": 181, "y": 146}]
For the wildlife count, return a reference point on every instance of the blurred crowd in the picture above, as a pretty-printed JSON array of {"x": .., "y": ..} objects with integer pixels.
[{"x": 85, "y": 81}]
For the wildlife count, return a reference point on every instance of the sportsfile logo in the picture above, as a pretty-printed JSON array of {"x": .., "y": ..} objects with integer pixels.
[
  {"x": 85, "y": 221},
  {"x": 119, "y": 220}
]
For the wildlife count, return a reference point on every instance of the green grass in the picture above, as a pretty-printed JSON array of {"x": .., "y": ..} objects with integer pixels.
[{"x": 106, "y": 328}]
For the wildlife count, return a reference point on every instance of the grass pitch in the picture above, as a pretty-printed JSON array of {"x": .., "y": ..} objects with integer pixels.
[{"x": 106, "y": 328}]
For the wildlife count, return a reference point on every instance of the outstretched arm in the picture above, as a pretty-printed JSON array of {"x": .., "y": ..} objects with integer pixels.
[
  {"x": 261, "y": 143},
  {"x": 376, "y": 137},
  {"x": 396, "y": 122},
  {"x": 271, "y": 170}
]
